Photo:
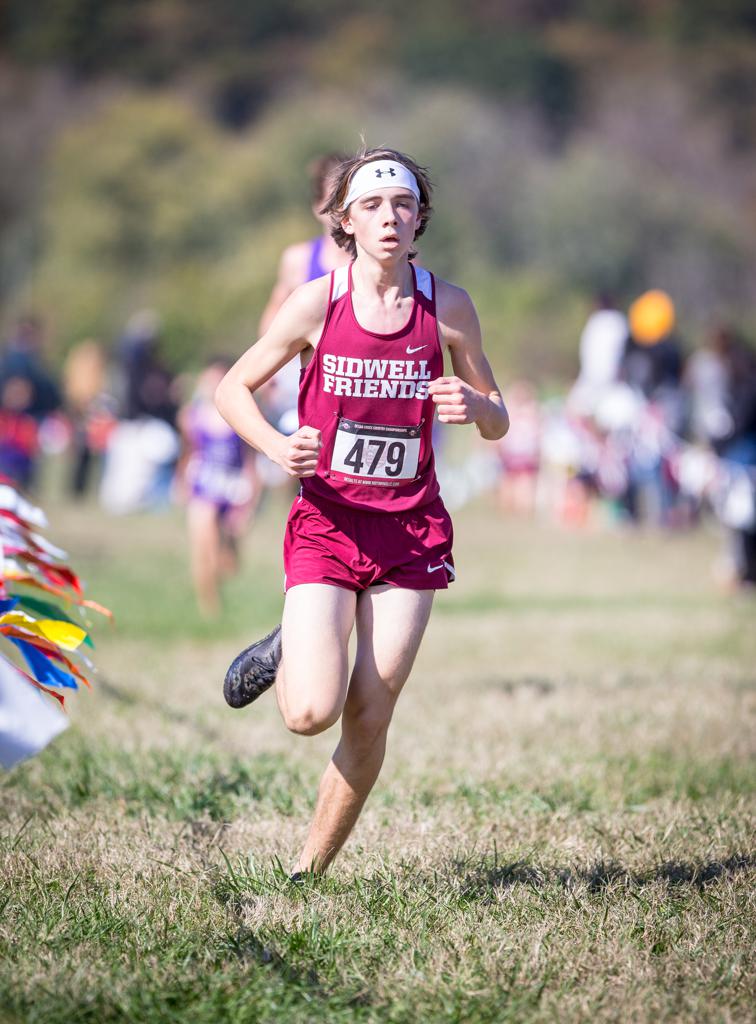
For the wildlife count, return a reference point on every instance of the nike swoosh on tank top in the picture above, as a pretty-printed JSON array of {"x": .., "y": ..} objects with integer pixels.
[{"x": 368, "y": 395}]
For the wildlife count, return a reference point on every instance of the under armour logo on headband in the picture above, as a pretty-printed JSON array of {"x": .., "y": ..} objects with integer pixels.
[{"x": 391, "y": 171}]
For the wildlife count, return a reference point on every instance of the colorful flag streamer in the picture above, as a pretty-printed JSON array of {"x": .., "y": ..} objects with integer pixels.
[{"x": 45, "y": 639}]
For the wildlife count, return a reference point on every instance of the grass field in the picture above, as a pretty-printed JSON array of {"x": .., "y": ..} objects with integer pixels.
[{"x": 563, "y": 830}]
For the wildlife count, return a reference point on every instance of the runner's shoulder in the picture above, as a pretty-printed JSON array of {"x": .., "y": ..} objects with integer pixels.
[{"x": 454, "y": 307}]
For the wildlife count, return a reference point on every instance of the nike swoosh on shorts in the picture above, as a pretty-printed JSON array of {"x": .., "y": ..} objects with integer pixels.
[{"x": 444, "y": 565}]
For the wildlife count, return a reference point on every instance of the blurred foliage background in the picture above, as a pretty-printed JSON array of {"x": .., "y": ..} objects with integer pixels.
[{"x": 153, "y": 153}]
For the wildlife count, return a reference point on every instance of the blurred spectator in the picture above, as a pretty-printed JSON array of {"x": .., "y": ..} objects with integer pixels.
[
  {"x": 143, "y": 448},
  {"x": 652, "y": 367},
  {"x": 602, "y": 345},
  {"x": 139, "y": 465},
  {"x": 145, "y": 384},
  {"x": 217, "y": 472},
  {"x": 652, "y": 361},
  {"x": 570, "y": 453},
  {"x": 19, "y": 440},
  {"x": 21, "y": 358},
  {"x": 91, "y": 408},
  {"x": 706, "y": 380},
  {"x": 738, "y": 452}
]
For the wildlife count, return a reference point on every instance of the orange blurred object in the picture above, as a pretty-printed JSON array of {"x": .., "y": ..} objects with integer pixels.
[{"x": 652, "y": 317}]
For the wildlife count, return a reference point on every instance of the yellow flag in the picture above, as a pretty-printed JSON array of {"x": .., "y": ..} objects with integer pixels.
[{"x": 65, "y": 634}]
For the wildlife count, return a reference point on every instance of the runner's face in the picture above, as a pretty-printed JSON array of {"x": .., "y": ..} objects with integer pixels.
[{"x": 384, "y": 222}]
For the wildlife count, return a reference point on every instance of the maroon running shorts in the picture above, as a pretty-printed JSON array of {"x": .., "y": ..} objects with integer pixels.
[{"x": 329, "y": 543}]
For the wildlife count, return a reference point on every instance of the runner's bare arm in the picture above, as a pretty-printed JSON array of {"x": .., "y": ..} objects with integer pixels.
[
  {"x": 472, "y": 394},
  {"x": 292, "y": 271},
  {"x": 297, "y": 326}
]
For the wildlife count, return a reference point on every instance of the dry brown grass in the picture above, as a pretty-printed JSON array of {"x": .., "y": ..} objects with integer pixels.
[{"x": 563, "y": 829}]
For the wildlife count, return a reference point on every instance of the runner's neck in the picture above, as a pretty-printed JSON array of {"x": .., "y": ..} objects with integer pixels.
[{"x": 389, "y": 284}]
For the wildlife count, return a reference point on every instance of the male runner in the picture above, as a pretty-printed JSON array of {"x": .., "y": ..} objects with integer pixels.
[
  {"x": 299, "y": 263},
  {"x": 304, "y": 261},
  {"x": 368, "y": 540}
]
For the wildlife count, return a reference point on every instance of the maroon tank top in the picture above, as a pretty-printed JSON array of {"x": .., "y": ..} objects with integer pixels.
[{"x": 368, "y": 395}]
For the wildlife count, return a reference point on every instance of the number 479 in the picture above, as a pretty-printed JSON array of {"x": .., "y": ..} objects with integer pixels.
[{"x": 357, "y": 457}]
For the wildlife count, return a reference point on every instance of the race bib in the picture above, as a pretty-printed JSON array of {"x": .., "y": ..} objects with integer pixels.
[{"x": 371, "y": 453}]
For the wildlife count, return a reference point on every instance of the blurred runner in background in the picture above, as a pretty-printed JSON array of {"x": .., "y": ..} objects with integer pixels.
[
  {"x": 520, "y": 450},
  {"x": 300, "y": 262},
  {"x": 217, "y": 475}
]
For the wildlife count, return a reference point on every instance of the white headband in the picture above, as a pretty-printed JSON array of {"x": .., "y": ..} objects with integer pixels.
[{"x": 381, "y": 174}]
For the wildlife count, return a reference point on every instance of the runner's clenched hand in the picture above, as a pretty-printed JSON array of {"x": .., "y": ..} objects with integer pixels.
[
  {"x": 456, "y": 401},
  {"x": 300, "y": 452}
]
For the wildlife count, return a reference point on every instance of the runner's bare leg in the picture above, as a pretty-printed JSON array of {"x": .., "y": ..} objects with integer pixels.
[
  {"x": 204, "y": 540},
  {"x": 312, "y": 681},
  {"x": 390, "y": 626}
]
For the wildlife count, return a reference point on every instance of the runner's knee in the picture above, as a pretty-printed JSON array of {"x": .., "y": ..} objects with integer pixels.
[
  {"x": 366, "y": 724},
  {"x": 309, "y": 719}
]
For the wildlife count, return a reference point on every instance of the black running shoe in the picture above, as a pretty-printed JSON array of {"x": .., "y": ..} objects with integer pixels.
[{"x": 253, "y": 671}]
